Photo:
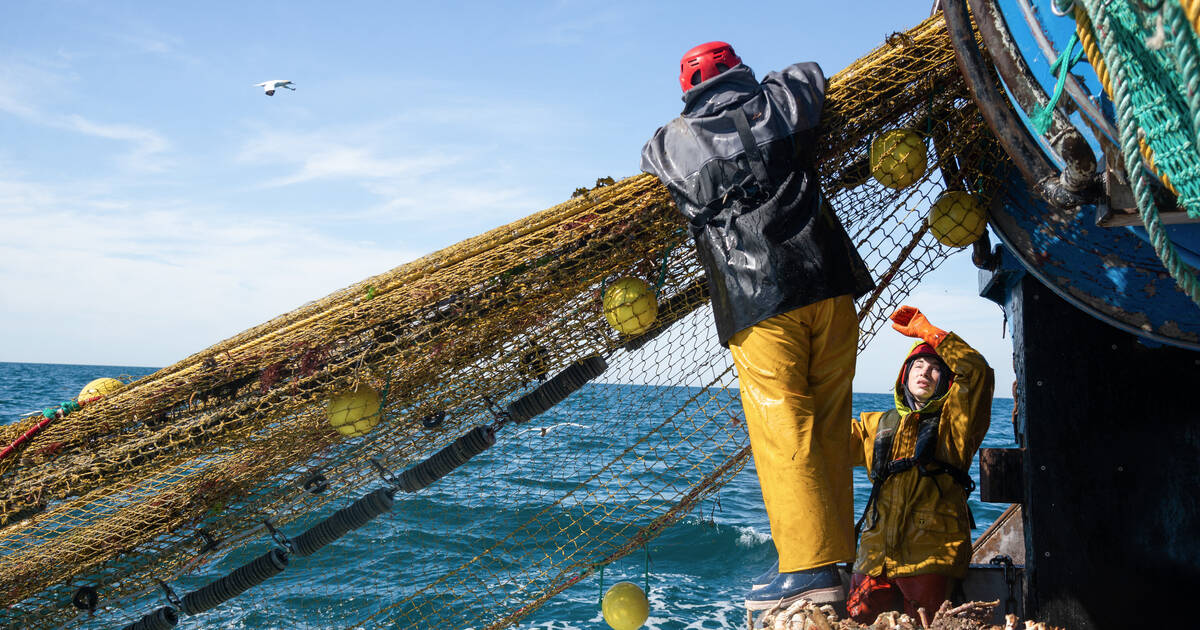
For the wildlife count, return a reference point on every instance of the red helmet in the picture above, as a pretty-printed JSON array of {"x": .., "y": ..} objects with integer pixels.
[{"x": 705, "y": 62}]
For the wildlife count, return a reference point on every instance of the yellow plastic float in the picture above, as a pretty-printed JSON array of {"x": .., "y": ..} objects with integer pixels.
[
  {"x": 957, "y": 219},
  {"x": 99, "y": 388},
  {"x": 898, "y": 158},
  {"x": 625, "y": 606},
  {"x": 355, "y": 412},
  {"x": 630, "y": 306}
]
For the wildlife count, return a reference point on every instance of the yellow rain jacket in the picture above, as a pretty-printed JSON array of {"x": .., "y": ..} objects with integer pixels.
[{"x": 923, "y": 524}]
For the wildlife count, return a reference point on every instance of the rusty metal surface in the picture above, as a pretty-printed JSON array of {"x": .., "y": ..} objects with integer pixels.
[
  {"x": 1062, "y": 142},
  {"x": 994, "y": 106},
  {"x": 1111, "y": 274},
  {"x": 1010, "y": 64},
  {"x": 1005, "y": 536}
]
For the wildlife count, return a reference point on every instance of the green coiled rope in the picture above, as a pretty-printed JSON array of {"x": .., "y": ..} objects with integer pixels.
[{"x": 1155, "y": 106}]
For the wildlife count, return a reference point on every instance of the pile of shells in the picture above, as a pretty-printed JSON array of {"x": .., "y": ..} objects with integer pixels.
[{"x": 804, "y": 615}]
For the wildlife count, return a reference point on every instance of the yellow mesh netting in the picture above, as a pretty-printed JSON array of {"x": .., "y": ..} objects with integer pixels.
[{"x": 165, "y": 476}]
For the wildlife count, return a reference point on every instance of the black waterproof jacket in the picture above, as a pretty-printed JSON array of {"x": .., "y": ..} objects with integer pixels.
[{"x": 739, "y": 162}]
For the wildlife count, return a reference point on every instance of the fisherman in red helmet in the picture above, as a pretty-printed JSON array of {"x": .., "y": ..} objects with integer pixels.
[
  {"x": 782, "y": 274},
  {"x": 916, "y": 528}
]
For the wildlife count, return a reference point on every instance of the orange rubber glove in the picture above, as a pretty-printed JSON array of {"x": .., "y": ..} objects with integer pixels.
[{"x": 910, "y": 322}]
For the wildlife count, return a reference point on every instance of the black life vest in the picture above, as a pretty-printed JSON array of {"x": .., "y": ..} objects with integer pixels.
[{"x": 924, "y": 460}]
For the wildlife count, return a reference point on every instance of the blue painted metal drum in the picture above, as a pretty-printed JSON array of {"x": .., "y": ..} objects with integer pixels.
[{"x": 1094, "y": 255}]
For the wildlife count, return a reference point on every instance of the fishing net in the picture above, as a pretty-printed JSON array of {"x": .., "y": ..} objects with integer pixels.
[
  {"x": 1148, "y": 59},
  {"x": 416, "y": 389}
]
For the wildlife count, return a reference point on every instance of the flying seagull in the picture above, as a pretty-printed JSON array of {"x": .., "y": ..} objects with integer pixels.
[{"x": 270, "y": 86}]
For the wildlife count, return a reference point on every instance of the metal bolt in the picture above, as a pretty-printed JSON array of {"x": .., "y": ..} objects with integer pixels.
[
  {"x": 1120, "y": 469},
  {"x": 1039, "y": 383},
  {"x": 1043, "y": 467},
  {"x": 1114, "y": 347},
  {"x": 1047, "y": 554}
]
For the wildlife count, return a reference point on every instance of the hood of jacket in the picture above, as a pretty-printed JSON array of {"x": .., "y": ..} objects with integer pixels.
[
  {"x": 733, "y": 86},
  {"x": 905, "y": 402}
]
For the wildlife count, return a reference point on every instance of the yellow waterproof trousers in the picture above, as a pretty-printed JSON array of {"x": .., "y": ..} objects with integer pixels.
[{"x": 796, "y": 371}]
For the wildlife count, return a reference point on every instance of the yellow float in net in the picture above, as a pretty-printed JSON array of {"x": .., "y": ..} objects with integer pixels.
[
  {"x": 100, "y": 387},
  {"x": 625, "y": 606},
  {"x": 898, "y": 158},
  {"x": 630, "y": 306},
  {"x": 957, "y": 219},
  {"x": 355, "y": 412}
]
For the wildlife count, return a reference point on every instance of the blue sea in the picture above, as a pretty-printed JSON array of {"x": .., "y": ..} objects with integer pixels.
[{"x": 697, "y": 570}]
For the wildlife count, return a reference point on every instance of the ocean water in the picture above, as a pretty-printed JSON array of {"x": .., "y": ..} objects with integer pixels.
[{"x": 698, "y": 570}]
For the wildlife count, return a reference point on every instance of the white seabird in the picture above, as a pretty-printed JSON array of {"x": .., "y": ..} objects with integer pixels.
[{"x": 270, "y": 86}]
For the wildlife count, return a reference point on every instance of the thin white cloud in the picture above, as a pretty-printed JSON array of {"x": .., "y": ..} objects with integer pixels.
[
  {"x": 24, "y": 87},
  {"x": 461, "y": 186},
  {"x": 20, "y": 85},
  {"x": 18, "y": 195},
  {"x": 342, "y": 162},
  {"x": 453, "y": 205},
  {"x": 137, "y": 36},
  {"x": 157, "y": 279},
  {"x": 148, "y": 145}
]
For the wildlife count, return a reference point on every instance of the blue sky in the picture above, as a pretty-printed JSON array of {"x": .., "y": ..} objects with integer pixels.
[{"x": 154, "y": 202}]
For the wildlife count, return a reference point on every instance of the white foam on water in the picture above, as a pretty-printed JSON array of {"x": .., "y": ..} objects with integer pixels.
[
  {"x": 563, "y": 625},
  {"x": 666, "y": 610},
  {"x": 715, "y": 615},
  {"x": 750, "y": 537}
]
